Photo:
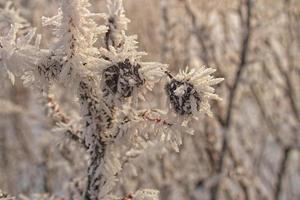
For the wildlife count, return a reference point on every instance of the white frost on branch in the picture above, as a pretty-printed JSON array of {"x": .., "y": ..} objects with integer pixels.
[
  {"x": 77, "y": 34},
  {"x": 9, "y": 16},
  {"x": 117, "y": 22},
  {"x": 17, "y": 53},
  {"x": 107, "y": 81}
]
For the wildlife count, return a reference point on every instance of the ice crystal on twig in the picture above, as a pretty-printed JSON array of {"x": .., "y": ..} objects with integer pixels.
[
  {"x": 50, "y": 67},
  {"x": 17, "y": 52},
  {"x": 116, "y": 23},
  {"x": 77, "y": 33},
  {"x": 10, "y": 16}
]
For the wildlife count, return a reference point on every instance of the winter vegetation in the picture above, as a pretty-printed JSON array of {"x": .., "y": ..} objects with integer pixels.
[{"x": 148, "y": 100}]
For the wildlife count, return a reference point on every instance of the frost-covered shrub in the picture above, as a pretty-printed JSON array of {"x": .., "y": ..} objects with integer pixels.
[{"x": 106, "y": 82}]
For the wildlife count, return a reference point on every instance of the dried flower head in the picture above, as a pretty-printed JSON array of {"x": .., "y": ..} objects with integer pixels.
[
  {"x": 123, "y": 73},
  {"x": 121, "y": 79},
  {"x": 183, "y": 97},
  {"x": 190, "y": 91}
]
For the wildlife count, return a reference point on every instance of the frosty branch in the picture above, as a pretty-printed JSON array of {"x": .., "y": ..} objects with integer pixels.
[{"x": 108, "y": 84}]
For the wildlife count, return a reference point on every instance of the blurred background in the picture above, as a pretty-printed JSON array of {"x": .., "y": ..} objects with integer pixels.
[{"x": 249, "y": 150}]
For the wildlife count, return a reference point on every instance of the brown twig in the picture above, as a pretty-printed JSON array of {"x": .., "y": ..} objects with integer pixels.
[
  {"x": 156, "y": 120},
  {"x": 282, "y": 171}
]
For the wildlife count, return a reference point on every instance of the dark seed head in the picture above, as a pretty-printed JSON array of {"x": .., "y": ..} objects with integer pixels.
[
  {"x": 121, "y": 78},
  {"x": 182, "y": 103}
]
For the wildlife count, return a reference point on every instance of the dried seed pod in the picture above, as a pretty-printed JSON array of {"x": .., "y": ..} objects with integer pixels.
[
  {"x": 183, "y": 97},
  {"x": 189, "y": 91},
  {"x": 121, "y": 79}
]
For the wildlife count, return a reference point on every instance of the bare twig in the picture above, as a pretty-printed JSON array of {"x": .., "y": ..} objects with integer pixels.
[{"x": 282, "y": 171}]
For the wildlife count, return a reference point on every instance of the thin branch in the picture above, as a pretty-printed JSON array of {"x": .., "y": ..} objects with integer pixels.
[
  {"x": 282, "y": 171},
  {"x": 58, "y": 116},
  {"x": 198, "y": 31},
  {"x": 156, "y": 120},
  {"x": 242, "y": 64},
  {"x": 288, "y": 82},
  {"x": 269, "y": 122},
  {"x": 166, "y": 27}
]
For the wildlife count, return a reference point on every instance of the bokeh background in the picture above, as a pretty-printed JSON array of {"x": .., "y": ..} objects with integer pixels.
[{"x": 249, "y": 150}]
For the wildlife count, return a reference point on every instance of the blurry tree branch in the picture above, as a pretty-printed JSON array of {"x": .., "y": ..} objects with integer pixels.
[
  {"x": 246, "y": 34},
  {"x": 282, "y": 171}
]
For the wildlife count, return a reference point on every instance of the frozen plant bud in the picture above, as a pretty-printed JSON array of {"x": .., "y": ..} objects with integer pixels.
[
  {"x": 183, "y": 97},
  {"x": 190, "y": 91},
  {"x": 120, "y": 79}
]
